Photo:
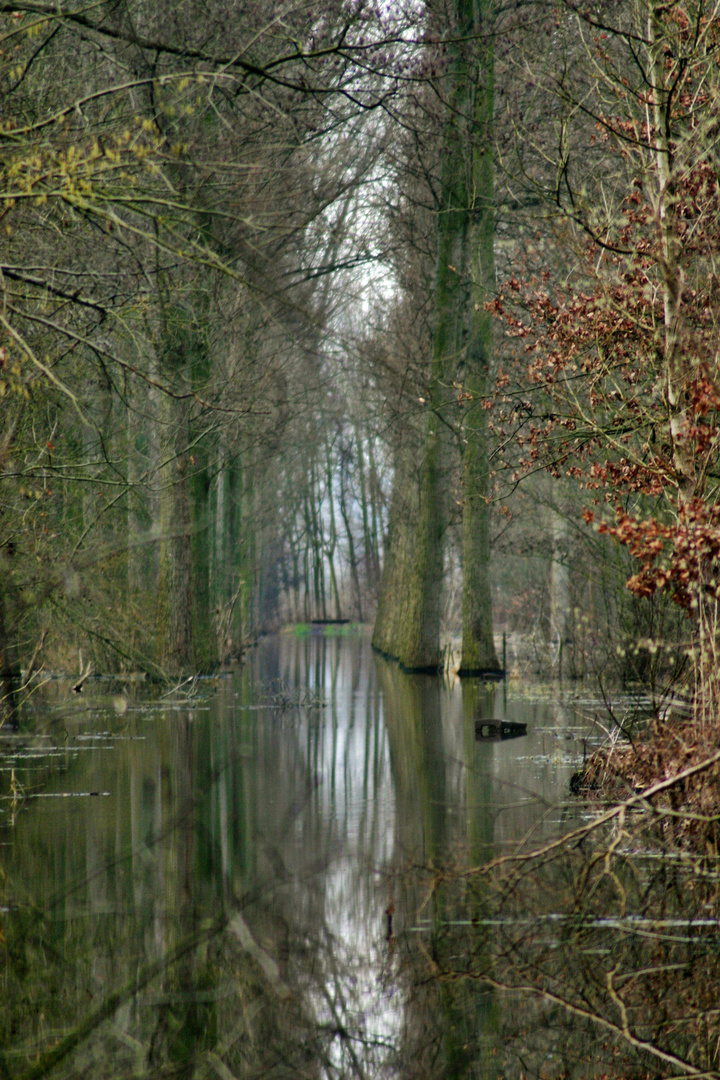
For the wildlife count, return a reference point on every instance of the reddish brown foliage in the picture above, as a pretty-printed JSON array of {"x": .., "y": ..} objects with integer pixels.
[{"x": 617, "y": 383}]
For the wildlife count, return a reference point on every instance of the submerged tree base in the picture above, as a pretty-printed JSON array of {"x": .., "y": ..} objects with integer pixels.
[
  {"x": 488, "y": 674},
  {"x": 427, "y": 669},
  {"x": 493, "y": 674}
]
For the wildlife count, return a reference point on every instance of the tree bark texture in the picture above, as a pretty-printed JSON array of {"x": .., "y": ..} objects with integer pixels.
[
  {"x": 461, "y": 349},
  {"x": 478, "y": 647},
  {"x": 419, "y": 641},
  {"x": 9, "y": 659},
  {"x": 175, "y": 591},
  {"x": 561, "y": 610},
  {"x": 391, "y": 616}
]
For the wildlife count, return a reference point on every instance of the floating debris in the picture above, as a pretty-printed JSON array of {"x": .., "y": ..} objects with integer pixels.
[
  {"x": 64, "y": 794},
  {"x": 499, "y": 729}
]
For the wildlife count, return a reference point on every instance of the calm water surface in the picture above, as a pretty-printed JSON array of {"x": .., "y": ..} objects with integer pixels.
[{"x": 230, "y": 881}]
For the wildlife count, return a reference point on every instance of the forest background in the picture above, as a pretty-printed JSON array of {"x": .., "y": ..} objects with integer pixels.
[{"x": 404, "y": 312}]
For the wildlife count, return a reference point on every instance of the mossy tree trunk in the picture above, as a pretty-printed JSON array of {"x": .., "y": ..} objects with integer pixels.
[
  {"x": 139, "y": 564},
  {"x": 9, "y": 656},
  {"x": 202, "y": 521},
  {"x": 202, "y": 460},
  {"x": 369, "y": 516},
  {"x": 418, "y": 633},
  {"x": 478, "y": 648},
  {"x": 418, "y": 645},
  {"x": 460, "y": 349},
  {"x": 242, "y": 538},
  {"x": 175, "y": 591},
  {"x": 376, "y": 500},
  {"x": 407, "y": 623},
  {"x": 175, "y": 578},
  {"x": 399, "y": 548},
  {"x": 234, "y": 583},
  {"x": 230, "y": 577}
]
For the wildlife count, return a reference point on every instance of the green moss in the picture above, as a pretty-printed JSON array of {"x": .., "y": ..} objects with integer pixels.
[{"x": 344, "y": 630}]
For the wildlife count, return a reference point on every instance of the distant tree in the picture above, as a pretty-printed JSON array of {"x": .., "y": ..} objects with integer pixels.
[{"x": 153, "y": 162}]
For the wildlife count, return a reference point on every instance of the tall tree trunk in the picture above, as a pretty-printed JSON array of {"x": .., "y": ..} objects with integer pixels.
[
  {"x": 352, "y": 557},
  {"x": 317, "y": 540},
  {"x": 561, "y": 612},
  {"x": 233, "y": 554},
  {"x": 371, "y": 567},
  {"x": 478, "y": 648},
  {"x": 201, "y": 461},
  {"x": 375, "y": 512},
  {"x": 138, "y": 520},
  {"x": 201, "y": 521},
  {"x": 9, "y": 659},
  {"x": 175, "y": 584},
  {"x": 391, "y": 613},
  {"x": 249, "y": 542},
  {"x": 678, "y": 370},
  {"x": 464, "y": 252},
  {"x": 220, "y": 569},
  {"x": 418, "y": 644},
  {"x": 409, "y": 618},
  {"x": 294, "y": 542},
  {"x": 332, "y": 539}
]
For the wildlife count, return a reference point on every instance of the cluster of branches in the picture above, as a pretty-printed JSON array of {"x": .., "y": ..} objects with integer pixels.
[
  {"x": 594, "y": 951},
  {"x": 607, "y": 378},
  {"x": 178, "y": 189}
]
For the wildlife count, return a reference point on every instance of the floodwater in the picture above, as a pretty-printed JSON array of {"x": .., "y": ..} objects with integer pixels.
[{"x": 271, "y": 873}]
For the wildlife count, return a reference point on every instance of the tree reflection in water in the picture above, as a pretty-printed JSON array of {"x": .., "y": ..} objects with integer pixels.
[{"x": 311, "y": 869}]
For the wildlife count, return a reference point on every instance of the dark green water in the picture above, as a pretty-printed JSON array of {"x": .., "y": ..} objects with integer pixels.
[{"x": 237, "y": 881}]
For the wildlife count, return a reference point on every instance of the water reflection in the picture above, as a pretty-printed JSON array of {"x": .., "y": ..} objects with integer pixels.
[{"x": 242, "y": 879}]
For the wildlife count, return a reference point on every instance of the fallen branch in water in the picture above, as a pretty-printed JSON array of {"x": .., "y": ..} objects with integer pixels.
[{"x": 565, "y": 839}]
